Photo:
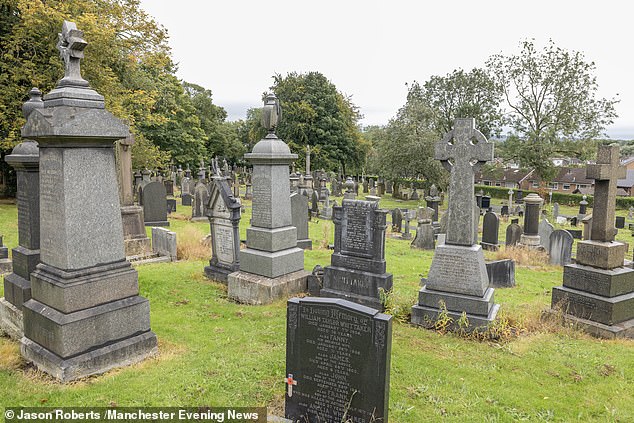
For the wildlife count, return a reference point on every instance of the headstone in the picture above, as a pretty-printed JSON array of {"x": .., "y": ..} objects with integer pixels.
[
  {"x": 630, "y": 213},
  {"x": 620, "y": 222},
  {"x": 186, "y": 188},
  {"x": 510, "y": 193},
  {"x": 432, "y": 201},
  {"x": 389, "y": 187},
  {"x": 337, "y": 361},
  {"x": 407, "y": 216},
  {"x": 155, "y": 204},
  {"x": 424, "y": 239},
  {"x": 519, "y": 197},
  {"x": 85, "y": 315},
  {"x": 223, "y": 210},
  {"x": 397, "y": 220},
  {"x": 164, "y": 243},
  {"x": 415, "y": 196},
  {"x": 576, "y": 233},
  {"x": 583, "y": 206},
  {"x": 490, "y": 230},
  {"x": 349, "y": 194},
  {"x": 458, "y": 276},
  {"x": 200, "y": 201},
  {"x": 24, "y": 159},
  {"x": 486, "y": 202},
  {"x": 513, "y": 234},
  {"x": 574, "y": 221},
  {"x": 501, "y": 273},
  {"x": 598, "y": 291},
  {"x": 315, "y": 203},
  {"x": 530, "y": 237},
  {"x": 587, "y": 227},
  {"x": 299, "y": 211},
  {"x": 560, "y": 248},
  {"x": 555, "y": 211},
  {"x": 357, "y": 267},
  {"x": 272, "y": 266},
  {"x": 479, "y": 196},
  {"x": 504, "y": 211},
  {"x": 544, "y": 231}
]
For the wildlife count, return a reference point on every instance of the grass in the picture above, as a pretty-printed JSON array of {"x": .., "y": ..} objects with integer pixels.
[{"x": 214, "y": 352}]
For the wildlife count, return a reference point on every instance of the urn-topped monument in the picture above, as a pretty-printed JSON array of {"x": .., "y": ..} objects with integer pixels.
[
  {"x": 272, "y": 266},
  {"x": 85, "y": 315}
]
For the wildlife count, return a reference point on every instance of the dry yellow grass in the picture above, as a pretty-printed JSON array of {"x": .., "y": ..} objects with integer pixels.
[
  {"x": 192, "y": 245},
  {"x": 524, "y": 257}
]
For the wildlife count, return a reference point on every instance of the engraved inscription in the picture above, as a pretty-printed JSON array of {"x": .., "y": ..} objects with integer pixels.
[
  {"x": 356, "y": 234},
  {"x": 454, "y": 269},
  {"x": 261, "y": 213},
  {"x": 223, "y": 243},
  {"x": 52, "y": 209}
]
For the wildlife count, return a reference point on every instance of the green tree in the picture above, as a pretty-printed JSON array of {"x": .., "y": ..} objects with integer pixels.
[
  {"x": 461, "y": 95},
  {"x": 315, "y": 113},
  {"x": 552, "y": 97}
]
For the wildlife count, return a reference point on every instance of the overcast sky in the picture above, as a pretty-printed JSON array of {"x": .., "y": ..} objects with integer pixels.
[{"x": 369, "y": 49}]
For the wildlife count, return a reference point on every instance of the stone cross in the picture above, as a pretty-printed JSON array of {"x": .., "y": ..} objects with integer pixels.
[
  {"x": 308, "y": 160},
  {"x": 605, "y": 173},
  {"x": 461, "y": 152},
  {"x": 290, "y": 382},
  {"x": 71, "y": 45}
]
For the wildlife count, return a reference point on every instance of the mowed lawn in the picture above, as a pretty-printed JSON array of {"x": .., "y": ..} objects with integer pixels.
[{"x": 214, "y": 352}]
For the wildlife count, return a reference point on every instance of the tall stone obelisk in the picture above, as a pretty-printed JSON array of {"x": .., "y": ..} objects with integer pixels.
[
  {"x": 272, "y": 266},
  {"x": 85, "y": 315}
]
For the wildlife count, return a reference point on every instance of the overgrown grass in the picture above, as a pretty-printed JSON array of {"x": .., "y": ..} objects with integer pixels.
[{"x": 214, "y": 352}]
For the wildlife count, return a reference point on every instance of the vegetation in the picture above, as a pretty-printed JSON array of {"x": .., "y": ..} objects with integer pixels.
[{"x": 214, "y": 352}]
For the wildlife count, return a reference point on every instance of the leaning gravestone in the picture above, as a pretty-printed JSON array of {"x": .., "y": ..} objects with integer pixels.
[
  {"x": 337, "y": 361},
  {"x": 560, "y": 248},
  {"x": 200, "y": 201},
  {"x": 458, "y": 276},
  {"x": 357, "y": 269},
  {"x": 299, "y": 210},
  {"x": 490, "y": 230},
  {"x": 513, "y": 234},
  {"x": 223, "y": 210},
  {"x": 544, "y": 231},
  {"x": 155, "y": 204},
  {"x": 85, "y": 315},
  {"x": 17, "y": 286},
  {"x": 598, "y": 291},
  {"x": 424, "y": 239}
]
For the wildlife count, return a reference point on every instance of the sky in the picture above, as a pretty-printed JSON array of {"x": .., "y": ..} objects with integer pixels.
[{"x": 370, "y": 49}]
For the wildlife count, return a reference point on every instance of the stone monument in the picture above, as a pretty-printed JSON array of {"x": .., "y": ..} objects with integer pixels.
[
  {"x": 223, "y": 210},
  {"x": 85, "y": 315},
  {"x": 357, "y": 267},
  {"x": 598, "y": 291},
  {"x": 458, "y": 276},
  {"x": 272, "y": 266},
  {"x": 25, "y": 161},
  {"x": 299, "y": 210},
  {"x": 530, "y": 236},
  {"x": 337, "y": 361}
]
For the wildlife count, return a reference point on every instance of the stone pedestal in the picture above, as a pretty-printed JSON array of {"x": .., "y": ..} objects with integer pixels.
[
  {"x": 85, "y": 315},
  {"x": 530, "y": 237},
  {"x": 135, "y": 239},
  {"x": 272, "y": 250}
]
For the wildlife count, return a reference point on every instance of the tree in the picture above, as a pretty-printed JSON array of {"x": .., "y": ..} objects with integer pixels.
[
  {"x": 551, "y": 96},
  {"x": 314, "y": 113},
  {"x": 463, "y": 95}
]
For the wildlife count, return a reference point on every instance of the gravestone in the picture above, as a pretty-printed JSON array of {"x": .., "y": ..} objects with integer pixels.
[
  {"x": 164, "y": 243},
  {"x": 544, "y": 231},
  {"x": 504, "y": 211},
  {"x": 530, "y": 237},
  {"x": 587, "y": 227},
  {"x": 458, "y": 276},
  {"x": 85, "y": 315},
  {"x": 490, "y": 230},
  {"x": 315, "y": 203},
  {"x": 24, "y": 159},
  {"x": 510, "y": 205},
  {"x": 223, "y": 211},
  {"x": 337, "y": 361},
  {"x": 389, "y": 187},
  {"x": 486, "y": 202},
  {"x": 479, "y": 196},
  {"x": 619, "y": 222},
  {"x": 560, "y": 247},
  {"x": 583, "y": 207},
  {"x": 357, "y": 266},
  {"x": 424, "y": 239},
  {"x": 397, "y": 220},
  {"x": 598, "y": 291},
  {"x": 576, "y": 233},
  {"x": 414, "y": 196},
  {"x": 432, "y": 201},
  {"x": 350, "y": 193},
  {"x": 136, "y": 241},
  {"x": 513, "y": 234},
  {"x": 200, "y": 201},
  {"x": 630, "y": 212},
  {"x": 272, "y": 266},
  {"x": 186, "y": 188},
  {"x": 155, "y": 204},
  {"x": 299, "y": 211},
  {"x": 408, "y": 217},
  {"x": 501, "y": 273},
  {"x": 555, "y": 211}
]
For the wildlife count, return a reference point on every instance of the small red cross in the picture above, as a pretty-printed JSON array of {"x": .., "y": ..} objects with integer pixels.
[{"x": 290, "y": 382}]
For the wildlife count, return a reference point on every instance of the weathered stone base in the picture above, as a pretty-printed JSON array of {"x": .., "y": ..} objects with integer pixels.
[
  {"x": 606, "y": 255},
  {"x": 356, "y": 286},
  {"x": 118, "y": 354},
  {"x": 137, "y": 247},
  {"x": 459, "y": 269},
  {"x": 11, "y": 320},
  {"x": 250, "y": 288},
  {"x": 530, "y": 241},
  {"x": 271, "y": 264},
  {"x": 305, "y": 244},
  {"x": 17, "y": 290},
  {"x": 599, "y": 330},
  {"x": 135, "y": 241},
  {"x": 606, "y": 310},
  {"x": 219, "y": 274},
  {"x": 480, "y": 310},
  {"x": 501, "y": 273},
  {"x": 6, "y": 266},
  {"x": 163, "y": 223},
  {"x": 490, "y": 247},
  {"x": 200, "y": 219}
]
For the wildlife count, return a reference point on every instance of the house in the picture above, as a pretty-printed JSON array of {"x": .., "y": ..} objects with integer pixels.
[
  {"x": 624, "y": 186},
  {"x": 507, "y": 178},
  {"x": 628, "y": 163},
  {"x": 567, "y": 180}
]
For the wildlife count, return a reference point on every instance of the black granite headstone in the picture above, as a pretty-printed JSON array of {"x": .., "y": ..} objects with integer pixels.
[
  {"x": 337, "y": 361},
  {"x": 155, "y": 204},
  {"x": 620, "y": 222},
  {"x": 486, "y": 202}
]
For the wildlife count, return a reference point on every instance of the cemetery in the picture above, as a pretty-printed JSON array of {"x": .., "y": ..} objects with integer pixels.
[{"x": 315, "y": 295}]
